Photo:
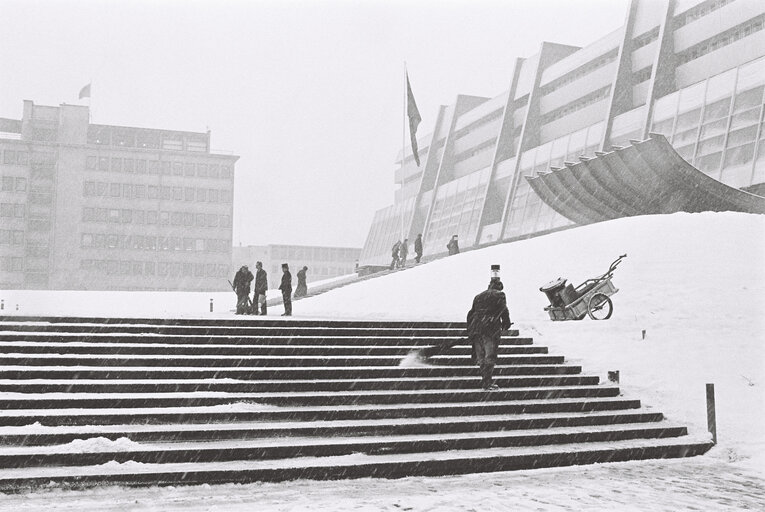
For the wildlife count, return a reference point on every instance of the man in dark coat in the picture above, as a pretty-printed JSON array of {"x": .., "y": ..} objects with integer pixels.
[
  {"x": 241, "y": 286},
  {"x": 394, "y": 254},
  {"x": 418, "y": 248},
  {"x": 286, "y": 288},
  {"x": 453, "y": 246},
  {"x": 485, "y": 322},
  {"x": 403, "y": 252},
  {"x": 261, "y": 287},
  {"x": 302, "y": 287}
]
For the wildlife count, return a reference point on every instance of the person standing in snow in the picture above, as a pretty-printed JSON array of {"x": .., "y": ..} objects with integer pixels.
[
  {"x": 286, "y": 288},
  {"x": 453, "y": 246},
  {"x": 418, "y": 248},
  {"x": 302, "y": 287},
  {"x": 403, "y": 251},
  {"x": 241, "y": 286},
  {"x": 261, "y": 287},
  {"x": 394, "y": 254},
  {"x": 486, "y": 320}
]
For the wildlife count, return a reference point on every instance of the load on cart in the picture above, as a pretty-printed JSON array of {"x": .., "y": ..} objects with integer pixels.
[{"x": 591, "y": 298}]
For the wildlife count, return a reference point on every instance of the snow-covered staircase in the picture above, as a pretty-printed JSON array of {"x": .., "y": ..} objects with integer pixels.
[{"x": 86, "y": 401}]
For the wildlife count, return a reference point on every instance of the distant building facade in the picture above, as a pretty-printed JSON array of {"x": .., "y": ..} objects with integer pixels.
[
  {"x": 322, "y": 262},
  {"x": 96, "y": 207},
  {"x": 692, "y": 70}
]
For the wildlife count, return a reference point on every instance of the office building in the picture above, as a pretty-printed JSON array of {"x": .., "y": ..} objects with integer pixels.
[
  {"x": 97, "y": 207},
  {"x": 563, "y": 145}
]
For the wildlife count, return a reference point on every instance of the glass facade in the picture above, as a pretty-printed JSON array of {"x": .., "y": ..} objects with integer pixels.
[
  {"x": 478, "y": 188},
  {"x": 456, "y": 211},
  {"x": 387, "y": 227},
  {"x": 528, "y": 213},
  {"x": 715, "y": 124}
]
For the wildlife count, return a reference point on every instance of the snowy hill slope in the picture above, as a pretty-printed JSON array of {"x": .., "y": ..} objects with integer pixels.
[{"x": 694, "y": 282}]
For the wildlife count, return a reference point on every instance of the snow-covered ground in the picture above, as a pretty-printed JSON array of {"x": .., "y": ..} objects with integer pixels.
[{"x": 693, "y": 283}]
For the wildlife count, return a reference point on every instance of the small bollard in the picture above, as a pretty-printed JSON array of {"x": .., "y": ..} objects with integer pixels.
[
  {"x": 2, "y": 304},
  {"x": 613, "y": 376},
  {"x": 711, "y": 417},
  {"x": 643, "y": 333},
  {"x": 211, "y": 305},
  {"x": 17, "y": 307}
]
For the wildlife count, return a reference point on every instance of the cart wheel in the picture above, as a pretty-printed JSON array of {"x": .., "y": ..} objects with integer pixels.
[{"x": 600, "y": 307}]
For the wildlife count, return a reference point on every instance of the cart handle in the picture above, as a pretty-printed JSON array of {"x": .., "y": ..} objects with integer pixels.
[{"x": 607, "y": 275}]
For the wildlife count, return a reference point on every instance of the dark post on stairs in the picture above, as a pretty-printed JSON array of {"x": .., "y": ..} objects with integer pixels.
[{"x": 711, "y": 419}]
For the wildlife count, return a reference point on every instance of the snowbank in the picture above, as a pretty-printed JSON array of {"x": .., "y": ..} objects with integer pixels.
[{"x": 695, "y": 283}]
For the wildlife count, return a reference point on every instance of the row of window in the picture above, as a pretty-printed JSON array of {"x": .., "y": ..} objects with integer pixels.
[
  {"x": 12, "y": 210},
  {"x": 150, "y": 268},
  {"x": 584, "y": 101},
  {"x": 477, "y": 150},
  {"x": 22, "y": 157},
  {"x": 162, "y": 218},
  {"x": 492, "y": 116},
  {"x": 645, "y": 38},
  {"x": 581, "y": 71},
  {"x": 11, "y": 264},
  {"x": 165, "y": 167},
  {"x": 133, "y": 191},
  {"x": 14, "y": 184},
  {"x": 698, "y": 11},
  {"x": 642, "y": 75},
  {"x": 720, "y": 40},
  {"x": 147, "y": 139},
  {"x": 11, "y": 237},
  {"x": 154, "y": 243}
]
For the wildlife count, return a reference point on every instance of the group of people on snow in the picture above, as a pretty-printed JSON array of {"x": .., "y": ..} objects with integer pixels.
[
  {"x": 241, "y": 285},
  {"x": 400, "y": 251}
]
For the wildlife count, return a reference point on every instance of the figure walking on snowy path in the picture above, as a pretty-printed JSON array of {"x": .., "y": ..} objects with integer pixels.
[
  {"x": 241, "y": 286},
  {"x": 453, "y": 246},
  {"x": 261, "y": 287},
  {"x": 286, "y": 288},
  {"x": 485, "y": 322},
  {"x": 394, "y": 254},
  {"x": 403, "y": 251},
  {"x": 418, "y": 248},
  {"x": 302, "y": 287}
]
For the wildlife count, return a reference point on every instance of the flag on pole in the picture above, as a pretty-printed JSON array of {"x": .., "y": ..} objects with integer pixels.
[
  {"x": 85, "y": 92},
  {"x": 414, "y": 119}
]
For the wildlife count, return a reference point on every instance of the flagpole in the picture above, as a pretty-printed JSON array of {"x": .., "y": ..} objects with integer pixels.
[{"x": 403, "y": 152}]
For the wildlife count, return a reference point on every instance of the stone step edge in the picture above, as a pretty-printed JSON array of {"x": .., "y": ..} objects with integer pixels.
[
  {"x": 358, "y": 443},
  {"x": 248, "y": 409},
  {"x": 31, "y": 430},
  {"x": 379, "y": 466}
]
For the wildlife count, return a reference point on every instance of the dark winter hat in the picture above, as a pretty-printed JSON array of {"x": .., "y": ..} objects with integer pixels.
[{"x": 284, "y": 265}]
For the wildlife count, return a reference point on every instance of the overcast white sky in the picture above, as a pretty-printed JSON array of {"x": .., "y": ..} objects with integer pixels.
[{"x": 308, "y": 93}]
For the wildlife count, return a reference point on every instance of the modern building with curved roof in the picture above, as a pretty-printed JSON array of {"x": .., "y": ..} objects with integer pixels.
[{"x": 663, "y": 115}]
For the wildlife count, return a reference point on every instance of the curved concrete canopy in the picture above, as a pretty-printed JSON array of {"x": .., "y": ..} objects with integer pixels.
[{"x": 646, "y": 178}]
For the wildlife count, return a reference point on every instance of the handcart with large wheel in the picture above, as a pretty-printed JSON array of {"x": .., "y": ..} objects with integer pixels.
[{"x": 591, "y": 298}]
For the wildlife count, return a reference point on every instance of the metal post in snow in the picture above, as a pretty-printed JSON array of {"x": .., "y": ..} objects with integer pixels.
[
  {"x": 711, "y": 417},
  {"x": 211, "y": 305}
]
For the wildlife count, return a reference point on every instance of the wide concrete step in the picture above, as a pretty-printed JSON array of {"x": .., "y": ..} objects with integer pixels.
[
  {"x": 273, "y": 321},
  {"x": 38, "y": 347},
  {"x": 355, "y": 465},
  {"x": 282, "y": 448},
  {"x": 294, "y": 372},
  {"x": 254, "y": 329},
  {"x": 37, "y": 436},
  {"x": 118, "y": 400},
  {"x": 276, "y": 386},
  {"x": 249, "y": 361},
  {"x": 256, "y": 412},
  {"x": 350, "y": 341}
]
